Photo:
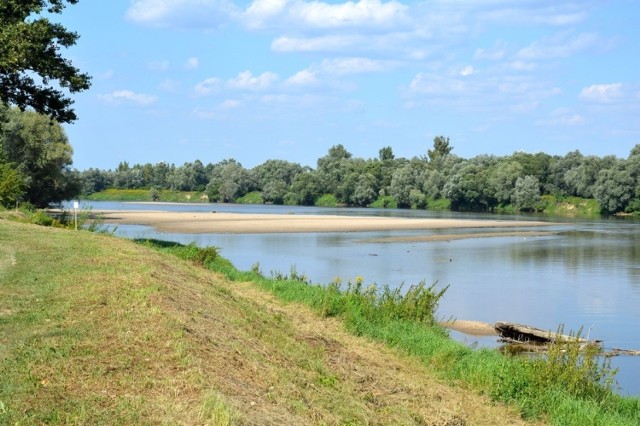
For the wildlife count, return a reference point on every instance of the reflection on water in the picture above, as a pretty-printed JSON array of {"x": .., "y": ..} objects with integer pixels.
[{"x": 586, "y": 276}]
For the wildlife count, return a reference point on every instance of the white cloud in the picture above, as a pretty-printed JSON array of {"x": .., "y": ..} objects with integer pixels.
[
  {"x": 467, "y": 71},
  {"x": 208, "y": 86},
  {"x": 558, "y": 46},
  {"x": 370, "y": 14},
  {"x": 364, "y": 13},
  {"x": 192, "y": 63},
  {"x": 604, "y": 93},
  {"x": 261, "y": 11},
  {"x": 181, "y": 13},
  {"x": 127, "y": 96},
  {"x": 563, "y": 117},
  {"x": 344, "y": 66},
  {"x": 314, "y": 44},
  {"x": 496, "y": 53},
  {"x": 246, "y": 81},
  {"x": 302, "y": 78},
  {"x": 431, "y": 84}
]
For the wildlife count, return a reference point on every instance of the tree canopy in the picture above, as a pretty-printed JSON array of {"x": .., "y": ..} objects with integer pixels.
[
  {"x": 33, "y": 73},
  {"x": 35, "y": 157}
]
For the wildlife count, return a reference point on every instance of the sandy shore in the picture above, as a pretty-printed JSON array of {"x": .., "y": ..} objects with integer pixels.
[{"x": 240, "y": 223}]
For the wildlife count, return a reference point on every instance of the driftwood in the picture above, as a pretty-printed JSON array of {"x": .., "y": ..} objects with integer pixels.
[
  {"x": 523, "y": 338},
  {"x": 518, "y": 333}
]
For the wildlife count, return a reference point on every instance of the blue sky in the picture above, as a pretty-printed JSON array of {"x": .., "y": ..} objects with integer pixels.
[{"x": 180, "y": 80}]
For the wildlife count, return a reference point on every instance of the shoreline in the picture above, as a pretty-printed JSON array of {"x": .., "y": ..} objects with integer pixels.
[{"x": 243, "y": 223}]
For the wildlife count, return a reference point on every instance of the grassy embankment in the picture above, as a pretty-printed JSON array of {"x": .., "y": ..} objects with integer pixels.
[
  {"x": 100, "y": 330},
  {"x": 94, "y": 329},
  {"x": 163, "y": 195}
]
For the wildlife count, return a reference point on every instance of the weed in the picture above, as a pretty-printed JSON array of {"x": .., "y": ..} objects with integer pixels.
[{"x": 577, "y": 367}]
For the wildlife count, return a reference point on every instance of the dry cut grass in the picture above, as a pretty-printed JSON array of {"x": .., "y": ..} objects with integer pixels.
[{"x": 97, "y": 330}]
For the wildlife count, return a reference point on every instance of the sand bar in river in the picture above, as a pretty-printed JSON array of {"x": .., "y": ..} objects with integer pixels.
[{"x": 242, "y": 223}]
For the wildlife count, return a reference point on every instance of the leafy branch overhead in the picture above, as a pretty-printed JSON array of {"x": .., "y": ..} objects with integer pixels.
[{"x": 33, "y": 73}]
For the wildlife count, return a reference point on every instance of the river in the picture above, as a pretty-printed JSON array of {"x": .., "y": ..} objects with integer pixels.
[{"x": 587, "y": 276}]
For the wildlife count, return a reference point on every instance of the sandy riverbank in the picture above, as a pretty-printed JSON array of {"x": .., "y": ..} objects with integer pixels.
[{"x": 240, "y": 223}]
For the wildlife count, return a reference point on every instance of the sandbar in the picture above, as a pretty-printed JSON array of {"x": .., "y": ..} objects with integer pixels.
[{"x": 244, "y": 223}]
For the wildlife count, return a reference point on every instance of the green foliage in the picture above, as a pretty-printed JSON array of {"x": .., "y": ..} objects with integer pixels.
[
  {"x": 147, "y": 195},
  {"x": 203, "y": 256},
  {"x": 438, "y": 204},
  {"x": 327, "y": 200},
  {"x": 577, "y": 368},
  {"x": 11, "y": 185},
  {"x": 568, "y": 387},
  {"x": 385, "y": 202},
  {"x": 254, "y": 197},
  {"x": 526, "y": 194},
  {"x": 29, "y": 48},
  {"x": 40, "y": 151},
  {"x": 514, "y": 183}
]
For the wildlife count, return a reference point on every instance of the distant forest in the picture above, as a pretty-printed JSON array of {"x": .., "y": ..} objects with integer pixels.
[{"x": 438, "y": 179}]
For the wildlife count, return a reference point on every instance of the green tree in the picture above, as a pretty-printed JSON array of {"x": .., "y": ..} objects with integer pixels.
[
  {"x": 467, "y": 187},
  {"x": 364, "y": 192},
  {"x": 33, "y": 73},
  {"x": 441, "y": 149},
  {"x": 228, "y": 181},
  {"x": 305, "y": 189},
  {"x": 11, "y": 185},
  {"x": 503, "y": 180},
  {"x": 405, "y": 179},
  {"x": 332, "y": 170},
  {"x": 526, "y": 193},
  {"x": 40, "y": 150},
  {"x": 615, "y": 188}
]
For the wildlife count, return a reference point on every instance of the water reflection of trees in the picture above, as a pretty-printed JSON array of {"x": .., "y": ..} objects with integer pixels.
[{"x": 577, "y": 250}]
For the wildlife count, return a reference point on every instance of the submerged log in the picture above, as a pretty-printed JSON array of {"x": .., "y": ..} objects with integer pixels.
[{"x": 519, "y": 333}]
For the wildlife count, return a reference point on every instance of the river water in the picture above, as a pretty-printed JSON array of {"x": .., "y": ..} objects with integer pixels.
[{"x": 587, "y": 276}]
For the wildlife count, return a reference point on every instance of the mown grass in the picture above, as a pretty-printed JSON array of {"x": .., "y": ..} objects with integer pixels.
[
  {"x": 98, "y": 330},
  {"x": 569, "y": 386}
]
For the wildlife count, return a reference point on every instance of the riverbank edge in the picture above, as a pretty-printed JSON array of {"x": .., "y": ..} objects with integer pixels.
[
  {"x": 532, "y": 387},
  {"x": 550, "y": 205}
]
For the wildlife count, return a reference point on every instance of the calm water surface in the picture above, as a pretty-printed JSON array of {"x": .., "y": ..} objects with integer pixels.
[{"x": 587, "y": 276}]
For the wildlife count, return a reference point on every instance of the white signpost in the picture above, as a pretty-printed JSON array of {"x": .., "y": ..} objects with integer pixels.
[{"x": 75, "y": 213}]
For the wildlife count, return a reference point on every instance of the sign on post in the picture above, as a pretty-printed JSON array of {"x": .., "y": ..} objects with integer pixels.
[{"x": 75, "y": 213}]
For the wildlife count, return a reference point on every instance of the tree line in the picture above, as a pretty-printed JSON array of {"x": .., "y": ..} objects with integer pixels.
[
  {"x": 481, "y": 183},
  {"x": 36, "y": 159}
]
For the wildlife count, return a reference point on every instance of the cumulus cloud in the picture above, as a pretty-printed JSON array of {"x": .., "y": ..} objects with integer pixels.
[
  {"x": 315, "y": 44},
  {"x": 467, "y": 71},
  {"x": 181, "y": 13},
  {"x": 247, "y": 81},
  {"x": 208, "y": 86},
  {"x": 303, "y": 78},
  {"x": 127, "y": 96},
  {"x": 370, "y": 14},
  {"x": 244, "y": 81},
  {"x": 603, "y": 93},
  {"x": 344, "y": 66}
]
